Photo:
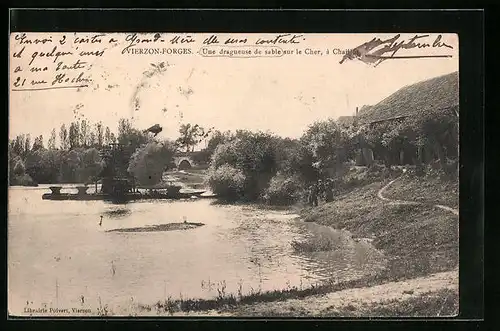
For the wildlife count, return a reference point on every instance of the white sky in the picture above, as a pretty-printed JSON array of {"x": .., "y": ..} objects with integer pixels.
[{"x": 280, "y": 94}]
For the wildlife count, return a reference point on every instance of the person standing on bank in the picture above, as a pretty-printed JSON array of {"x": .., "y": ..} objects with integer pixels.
[
  {"x": 314, "y": 195},
  {"x": 329, "y": 190}
]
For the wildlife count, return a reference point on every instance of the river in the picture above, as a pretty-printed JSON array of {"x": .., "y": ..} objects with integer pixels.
[{"x": 59, "y": 256}]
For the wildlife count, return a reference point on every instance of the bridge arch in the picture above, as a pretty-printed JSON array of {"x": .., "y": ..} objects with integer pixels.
[{"x": 184, "y": 164}]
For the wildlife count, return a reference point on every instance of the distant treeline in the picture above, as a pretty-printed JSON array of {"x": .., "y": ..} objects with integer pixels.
[
  {"x": 76, "y": 155},
  {"x": 71, "y": 155},
  {"x": 243, "y": 165}
]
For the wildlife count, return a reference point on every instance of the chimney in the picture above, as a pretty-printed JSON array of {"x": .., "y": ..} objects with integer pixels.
[{"x": 356, "y": 111}]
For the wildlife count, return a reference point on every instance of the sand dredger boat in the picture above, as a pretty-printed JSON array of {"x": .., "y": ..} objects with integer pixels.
[{"x": 117, "y": 184}]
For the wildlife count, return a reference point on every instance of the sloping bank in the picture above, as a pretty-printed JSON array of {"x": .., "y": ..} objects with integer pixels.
[{"x": 419, "y": 240}]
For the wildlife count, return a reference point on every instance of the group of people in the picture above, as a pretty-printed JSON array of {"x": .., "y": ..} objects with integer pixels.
[{"x": 320, "y": 189}]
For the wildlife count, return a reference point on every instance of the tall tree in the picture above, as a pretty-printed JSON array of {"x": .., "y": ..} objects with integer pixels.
[
  {"x": 74, "y": 136},
  {"x": 191, "y": 135},
  {"x": 52, "y": 140},
  {"x": 38, "y": 143},
  {"x": 84, "y": 134},
  {"x": 92, "y": 139},
  {"x": 124, "y": 127},
  {"x": 64, "y": 138},
  {"x": 18, "y": 145},
  {"x": 107, "y": 136},
  {"x": 27, "y": 144},
  {"x": 328, "y": 144},
  {"x": 90, "y": 165},
  {"x": 99, "y": 134}
]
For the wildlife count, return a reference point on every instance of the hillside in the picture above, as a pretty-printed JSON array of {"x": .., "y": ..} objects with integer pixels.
[{"x": 433, "y": 94}]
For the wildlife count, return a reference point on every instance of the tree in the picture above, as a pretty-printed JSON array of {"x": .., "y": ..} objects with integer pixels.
[
  {"x": 99, "y": 134},
  {"x": 216, "y": 139},
  {"x": 18, "y": 145},
  {"x": 51, "y": 163},
  {"x": 84, "y": 134},
  {"x": 38, "y": 143},
  {"x": 92, "y": 139},
  {"x": 191, "y": 135},
  {"x": 90, "y": 165},
  {"x": 132, "y": 139},
  {"x": 19, "y": 168},
  {"x": 107, "y": 136},
  {"x": 227, "y": 182},
  {"x": 52, "y": 140},
  {"x": 295, "y": 159},
  {"x": 27, "y": 145},
  {"x": 71, "y": 163},
  {"x": 74, "y": 135},
  {"x": 64, "y": 137},
  {"x": 124, "y": 127},
  {"x": 252, "y": 153},
  {"x": 149, "y": 161},
  {"x": 328, "y": 144},
  {"x": 33, "y": 163}
]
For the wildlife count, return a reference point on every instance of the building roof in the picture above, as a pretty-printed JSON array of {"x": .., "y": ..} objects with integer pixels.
[
  {"x": 433, "y": 94},
  {"x": 346, "y": 120}
]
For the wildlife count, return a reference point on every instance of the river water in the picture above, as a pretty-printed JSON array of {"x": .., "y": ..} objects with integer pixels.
[{"x": 59, "y": 256}]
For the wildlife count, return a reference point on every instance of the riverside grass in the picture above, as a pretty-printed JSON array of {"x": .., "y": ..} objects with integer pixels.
[{"x": 419, "y": 240}]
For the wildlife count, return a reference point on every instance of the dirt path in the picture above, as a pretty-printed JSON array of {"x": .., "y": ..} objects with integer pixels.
[
  {"x": 404, "y": 202},
  {"x": 352, "y": 299}
]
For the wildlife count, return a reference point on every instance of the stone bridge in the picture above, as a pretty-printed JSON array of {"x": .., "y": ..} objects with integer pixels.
[{"x": 185, "y": 161}]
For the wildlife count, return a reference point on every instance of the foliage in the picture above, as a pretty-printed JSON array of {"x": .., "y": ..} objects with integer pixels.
[
  {"x": 149, "y": 161},
  {"x": 130, "y": 137},
  {"x": 62, "y": 161},
  {"x": 254, "y": 154},
  {"x": 90, "y": 165},
  {"x": 294, "y": 158},
  {"x": 227, "y": 182},
  {"x": 19, "y": 168},
  {"x": 23, "y": 180},
  {"x": 283, "y": 190},
  {"x": 191, "y": 135},
  {"x": 329, "y": 145},
  {"x": 216, "y": 138}
]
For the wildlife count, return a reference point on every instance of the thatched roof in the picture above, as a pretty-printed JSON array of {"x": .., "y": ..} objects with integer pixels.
[
  {"x": 364, "y": 109},
  {"x": 433, "y": 94},
  {"x": 345, "y": 120}
]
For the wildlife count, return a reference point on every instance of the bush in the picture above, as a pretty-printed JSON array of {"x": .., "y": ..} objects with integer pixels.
[
  {"x": 149, "y": 161},
  {"x": 227, "y": 182},
  {"x": 19, "y": 168},
  {"x": 24, "y": 180},
  {"x": 254, "y": 154},
  {"x": 283, "y": 190}
]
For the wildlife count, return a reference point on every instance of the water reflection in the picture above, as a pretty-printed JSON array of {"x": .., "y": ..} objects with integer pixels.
[
  {"x": 117, "y": 212},
  {"x": 240, "y": 248}
]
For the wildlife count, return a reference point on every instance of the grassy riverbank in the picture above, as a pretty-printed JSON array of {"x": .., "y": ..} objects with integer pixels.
[
  {"x": 417, "y": 239},
  {"x": 420, "y": 242}
]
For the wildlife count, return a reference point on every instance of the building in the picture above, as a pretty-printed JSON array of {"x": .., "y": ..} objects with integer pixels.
[{"x": 438, "y": 95}]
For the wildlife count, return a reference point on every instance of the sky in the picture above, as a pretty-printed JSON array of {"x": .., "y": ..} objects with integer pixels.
[{"x": 279, "y": 94}]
